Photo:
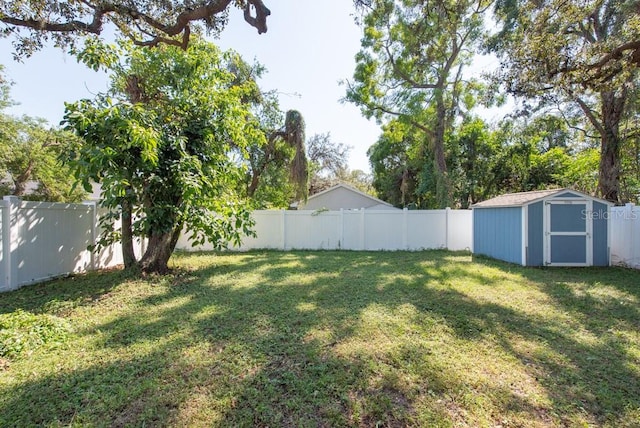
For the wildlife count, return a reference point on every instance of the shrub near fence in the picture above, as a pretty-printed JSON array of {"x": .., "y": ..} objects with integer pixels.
[{"x": 357, "y": 230}]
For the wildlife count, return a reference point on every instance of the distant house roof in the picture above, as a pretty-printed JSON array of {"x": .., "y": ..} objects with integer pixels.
[
  {"x": 525, "y": 198},
  {"x": 30, "y": 186},
  {"x": 343, "y": 196}
]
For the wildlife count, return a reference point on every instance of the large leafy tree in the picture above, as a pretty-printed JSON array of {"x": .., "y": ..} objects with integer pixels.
[
  {"x": 5, "y": 88},
  {"x": 411, "y": 65},
  {"x": 580, "y": 53},
  {"x": 273, "y": 181},
  {"x": 630, "y": 151},
  {"x": 164, "y": 145},
  {"x": 147, "y": 23},
  {"x": 276, "y": 172},
  {"x": 528, "y": 157},
  {"x": 31, "y": 23},
  {"x": 517, "y": 155}
]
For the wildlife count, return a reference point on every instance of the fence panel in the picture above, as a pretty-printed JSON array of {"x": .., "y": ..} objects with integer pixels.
[
  {"x": 460, "y": 230},
  {"x": 356, "y": 230},
  {"x": 52, "y": 240},
  {"x": 624, "y": 227},
  {"x": 43, "y": 240},
  {"x": 353, "y": 232},
  {"x": 426, "y": 229},
  {"x": 307, "y": 230},
  {"x": 384, "y": 230},
  {"x": 269, "y": 231}
]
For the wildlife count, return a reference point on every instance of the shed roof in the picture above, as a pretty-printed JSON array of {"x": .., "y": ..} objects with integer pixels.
[{"x": 525, "y": 198}]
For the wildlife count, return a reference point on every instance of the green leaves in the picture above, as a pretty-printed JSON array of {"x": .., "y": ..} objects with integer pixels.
[
  {"x": 96, "y": 54},
  {"x": 566, "y": 54},
  {"x": 147, "y": 139},
  {"x": 29, "y": 154},
  {"x": 164, "y": 141},
  {"x": 410, "y": 70}
]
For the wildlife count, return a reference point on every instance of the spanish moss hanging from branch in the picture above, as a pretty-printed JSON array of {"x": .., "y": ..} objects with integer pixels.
[{"x": 294, "y": 136}]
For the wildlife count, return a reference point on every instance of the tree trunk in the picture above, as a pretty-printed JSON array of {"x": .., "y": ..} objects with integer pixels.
[
  {"x": 255, "y": 180},
  {"x": 20, "y": 182},
  {"x": 444, "y": 194},
  {"x": 128, "y": 256},
  {"x": 159, "y": 250},
  {"x": 19, "y": 188},
  {"x": 609, "y": 170}
]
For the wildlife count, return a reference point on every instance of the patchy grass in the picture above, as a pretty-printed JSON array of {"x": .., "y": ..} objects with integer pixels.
[
  {"x": 332, "y": 339},
  {"x": 23, "y": 332}
]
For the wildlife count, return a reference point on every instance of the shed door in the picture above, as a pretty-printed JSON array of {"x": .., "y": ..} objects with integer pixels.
[{"x": 568, "y": 226}]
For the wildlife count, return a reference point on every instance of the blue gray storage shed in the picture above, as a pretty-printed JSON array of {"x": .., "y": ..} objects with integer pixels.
[{"x": 559, "y": 227}]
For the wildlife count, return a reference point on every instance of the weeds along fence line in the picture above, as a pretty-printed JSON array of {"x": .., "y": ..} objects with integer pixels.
[
  {"x": 369, "y": 230},
  {"x": 625, "y": 236}
]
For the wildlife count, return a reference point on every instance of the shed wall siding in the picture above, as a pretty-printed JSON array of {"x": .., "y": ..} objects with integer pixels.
[
  {"x": 600, "y": 234},
  {"x": 535, "y": 252},
  {"x": 497, "y": 233}
]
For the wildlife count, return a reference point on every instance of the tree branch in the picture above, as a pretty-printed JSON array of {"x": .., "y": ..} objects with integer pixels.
[
  {"x": 592, "y": 117},
  {"x": 260, "y": 20},
  {"x": 421, "y": 127},
  {"x": 181, "y": 24},
  {"x": 404, "y": 76}
]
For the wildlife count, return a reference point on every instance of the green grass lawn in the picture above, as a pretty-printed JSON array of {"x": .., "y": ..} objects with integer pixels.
[{"x": 325, "y": 339}]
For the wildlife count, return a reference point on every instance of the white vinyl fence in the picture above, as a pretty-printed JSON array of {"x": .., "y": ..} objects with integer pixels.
[
  {"x": 387, "y": 230},
  {"x": 625, "y": 236},
  {"x": 43, "y": 240}
]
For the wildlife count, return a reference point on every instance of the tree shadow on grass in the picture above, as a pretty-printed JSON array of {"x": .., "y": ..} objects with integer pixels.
[
  {"x": 59, "y": 296},
  {"x": 346, "y": 339}
]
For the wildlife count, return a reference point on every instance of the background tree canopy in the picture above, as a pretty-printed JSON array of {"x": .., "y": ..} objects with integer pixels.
[
  {"x": 572, "y": 66},
  {"x": 410, "y": 69},
  {"x": 29, "y": 156},
  {"x": 580, "y": 54}
]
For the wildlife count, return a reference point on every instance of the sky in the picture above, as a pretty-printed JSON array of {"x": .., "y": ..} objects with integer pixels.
[{"x": 308, "y": 49}]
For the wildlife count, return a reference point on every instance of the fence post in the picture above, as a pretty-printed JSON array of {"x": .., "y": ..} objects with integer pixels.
[
  {"x": 405, "y": 232},
  {"x": 94, "y": 233},
  {"x": 341, "y": 230},
  {"x": 6, "y": 245},
  {"x": 10, "y": 241},
  {"x": 283, "y": 226},
  {"x": 446, "y": 227},
  {"x": 627, "y": 220},
  {"x": 362, "y": 230}
]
